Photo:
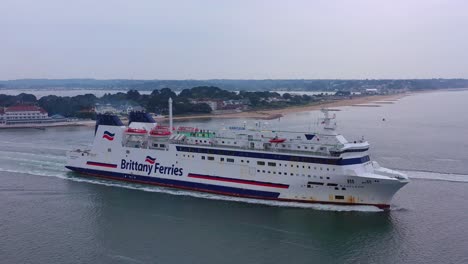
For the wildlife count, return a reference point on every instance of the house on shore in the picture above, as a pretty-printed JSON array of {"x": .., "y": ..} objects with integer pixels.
[{"x": 25, "y": 114}]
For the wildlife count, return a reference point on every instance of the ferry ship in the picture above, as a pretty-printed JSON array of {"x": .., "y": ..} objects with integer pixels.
[{"x": 252, "y": 162}]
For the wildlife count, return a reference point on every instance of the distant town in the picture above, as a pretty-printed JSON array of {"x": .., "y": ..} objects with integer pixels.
[
  {"x": 330, "y": 85},
  {"x": 26, "y": 108}
]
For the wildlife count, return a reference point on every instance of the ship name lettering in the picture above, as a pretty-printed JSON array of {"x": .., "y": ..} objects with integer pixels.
[
  {"x": 135, "y": 166},
  {"x": 168, "y": 170}
]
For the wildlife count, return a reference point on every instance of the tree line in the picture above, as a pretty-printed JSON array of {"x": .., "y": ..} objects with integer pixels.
[{"x": 183, "y": 103}]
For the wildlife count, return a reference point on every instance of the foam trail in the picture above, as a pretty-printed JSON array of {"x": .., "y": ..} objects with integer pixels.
[
  {"x": 51, "y": 162},
  {"x": 436, "y": 176},
  {"x": 29, "y": 154}
]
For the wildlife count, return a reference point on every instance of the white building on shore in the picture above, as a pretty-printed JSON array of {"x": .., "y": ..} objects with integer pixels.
[{"x": 23, "y": 114}]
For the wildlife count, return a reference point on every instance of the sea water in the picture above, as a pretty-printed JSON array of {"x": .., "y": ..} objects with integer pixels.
[{"x": 51, "y": 215}]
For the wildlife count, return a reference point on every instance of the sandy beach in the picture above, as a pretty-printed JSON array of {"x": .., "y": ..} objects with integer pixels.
[{"x": 364, "y": 101}]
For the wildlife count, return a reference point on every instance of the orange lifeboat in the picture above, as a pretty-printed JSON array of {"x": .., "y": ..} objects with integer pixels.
[
  {"x": 160, "y": 131},
  {"x": 277, "y": 140},
  {"x": 136, "y": 131}
]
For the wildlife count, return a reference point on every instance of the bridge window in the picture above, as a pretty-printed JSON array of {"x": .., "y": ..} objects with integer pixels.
[{"x": 315, "y": 183}]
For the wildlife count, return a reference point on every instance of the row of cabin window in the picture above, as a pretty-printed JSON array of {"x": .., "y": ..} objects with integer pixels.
[
  {"x": 246, "y": 154},
  {"x": 305, "y": 147},
  {"x": 204, "y": 141},
  {"x": 220, "y": 159},
  {"x": 273, "y": 164},
  {"x": 292, "y": 174},
  {"x": 235, "y": 143},
  {"x": 283, "y": 145},
  {"x": 201, "y": 141}
]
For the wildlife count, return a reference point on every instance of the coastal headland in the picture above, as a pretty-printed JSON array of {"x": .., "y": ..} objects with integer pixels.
[
  {"x": 276, "y": 113},
  {"x": 195, "y": 103},
  {"x": 254, "y": 113}
]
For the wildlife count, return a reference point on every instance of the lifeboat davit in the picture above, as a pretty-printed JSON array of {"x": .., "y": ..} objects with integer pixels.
[
  {"x": 277, "y": 140},
  {"x": 136, "y": 131}
]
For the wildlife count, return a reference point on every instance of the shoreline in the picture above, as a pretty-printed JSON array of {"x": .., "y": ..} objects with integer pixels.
[
  {"x": 369, "y": 101},
  {"x": 88, "y": 123},
  {"x": 269, "y": 114}
]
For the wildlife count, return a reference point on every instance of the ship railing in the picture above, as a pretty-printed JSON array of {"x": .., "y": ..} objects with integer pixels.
[{"x": 312, "y": 153}]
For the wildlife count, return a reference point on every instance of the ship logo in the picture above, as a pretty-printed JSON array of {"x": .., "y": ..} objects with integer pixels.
[
  {"x": 108, "y": 135},
  {"x": 150, "y": 159}
]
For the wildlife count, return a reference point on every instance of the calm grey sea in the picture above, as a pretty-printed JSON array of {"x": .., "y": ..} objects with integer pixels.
[{"x": 50, "y": 215}]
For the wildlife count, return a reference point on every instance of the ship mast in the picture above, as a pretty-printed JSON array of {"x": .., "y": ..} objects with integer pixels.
[
  {"x": 327, "y": 120},
  {"x": 170, "y": 114}
]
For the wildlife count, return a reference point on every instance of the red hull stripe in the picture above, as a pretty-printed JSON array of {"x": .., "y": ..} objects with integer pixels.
[
  {"x": 223, "y": 179},
  {"x": 100, "y": 175},
  {"x": 107, "y": 165}
]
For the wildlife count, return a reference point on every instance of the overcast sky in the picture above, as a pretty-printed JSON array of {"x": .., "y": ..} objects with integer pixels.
[{"x": 150, "y": 39}]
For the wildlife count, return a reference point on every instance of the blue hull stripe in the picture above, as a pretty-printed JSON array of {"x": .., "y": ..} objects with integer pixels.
[
  {"x": 235, "y": 153},
  {"x": 233, "y": 191}
]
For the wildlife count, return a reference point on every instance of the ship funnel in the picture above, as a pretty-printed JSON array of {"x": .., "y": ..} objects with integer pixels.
[
  {"x": 141, "y": 117},
  {"x": 107, "y": 120}
]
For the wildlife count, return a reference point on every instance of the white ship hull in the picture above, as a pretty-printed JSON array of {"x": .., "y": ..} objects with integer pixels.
[{"x": 352, "y": 179}]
